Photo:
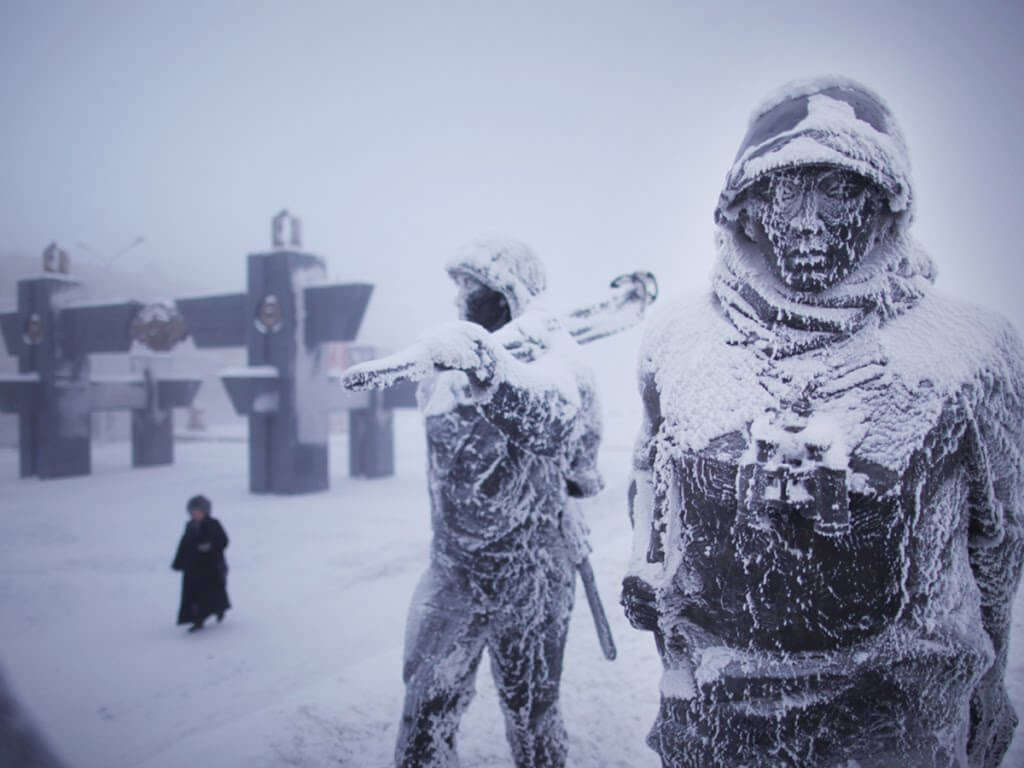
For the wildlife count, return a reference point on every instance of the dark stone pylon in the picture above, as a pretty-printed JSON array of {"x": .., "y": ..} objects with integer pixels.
[
  {"x": 283, "y": 319},
  {"x": 54, "y": 394}
]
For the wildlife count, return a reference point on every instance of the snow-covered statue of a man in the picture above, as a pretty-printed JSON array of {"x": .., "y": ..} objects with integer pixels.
[
  {"x": 508, "y": 442},
  {"x": 828, "y": 480}
]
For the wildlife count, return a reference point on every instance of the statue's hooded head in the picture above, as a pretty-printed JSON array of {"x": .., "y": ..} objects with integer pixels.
[
  {"x": 822, "y": 177},
  {"x": 497, "y": 278}
]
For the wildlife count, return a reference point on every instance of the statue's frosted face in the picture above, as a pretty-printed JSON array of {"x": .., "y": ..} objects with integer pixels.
[
  {"x": 480, "y": 304},
  {"x": 818, "y": 222}
]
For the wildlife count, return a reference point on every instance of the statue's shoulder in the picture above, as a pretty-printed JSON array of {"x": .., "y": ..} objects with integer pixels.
[
  {"x": 683, "y": 331},
  {"x": 950, "y": 340},
  {"x": 705, "y": 380}
]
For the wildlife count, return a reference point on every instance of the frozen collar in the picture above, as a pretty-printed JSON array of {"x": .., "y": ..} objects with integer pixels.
[{"x": 781, "y": 322}]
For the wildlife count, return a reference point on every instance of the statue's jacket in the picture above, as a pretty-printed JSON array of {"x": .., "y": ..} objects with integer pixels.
[
  {"x": 500, "y": 467},
  {"x": 503, "y": 460},
  {"x": 508, "y": 441},
  {"x": 826, "y": 506}
]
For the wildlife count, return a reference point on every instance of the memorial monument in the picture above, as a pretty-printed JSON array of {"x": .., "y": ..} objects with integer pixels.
[
  {"x": 54, "y": 395},
  {"x": 284, "y": 318}
]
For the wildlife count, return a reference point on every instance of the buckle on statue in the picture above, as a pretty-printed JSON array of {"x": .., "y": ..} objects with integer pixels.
[{"x": 795, "y": 466}]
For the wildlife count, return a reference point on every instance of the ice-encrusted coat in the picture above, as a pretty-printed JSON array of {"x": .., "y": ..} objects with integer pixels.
[
  {"x": 508, "y": 443},
  {"x": 503, "y": 460},
  {"x": 827, "y": 492}
]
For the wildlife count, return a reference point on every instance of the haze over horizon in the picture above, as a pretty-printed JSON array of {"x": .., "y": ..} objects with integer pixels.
[{"x": 598, "y": 133}]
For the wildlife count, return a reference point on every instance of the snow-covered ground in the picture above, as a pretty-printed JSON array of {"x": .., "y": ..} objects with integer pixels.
[{"x": 306, "y": 669}]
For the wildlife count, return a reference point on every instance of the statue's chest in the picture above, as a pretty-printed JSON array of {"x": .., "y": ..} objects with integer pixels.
[
  {"x": 846, "y": 413},
  {"x": 801, "y": 493}
]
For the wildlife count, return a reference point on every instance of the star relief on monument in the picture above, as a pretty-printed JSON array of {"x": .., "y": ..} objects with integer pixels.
[
  {"x": 33, "y": 334},
  {"x": 159, "y": 327},
  {"x": 269, "y": 316}
]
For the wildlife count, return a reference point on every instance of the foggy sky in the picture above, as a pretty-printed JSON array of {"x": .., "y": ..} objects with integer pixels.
[{"x": 598, "y": 132}]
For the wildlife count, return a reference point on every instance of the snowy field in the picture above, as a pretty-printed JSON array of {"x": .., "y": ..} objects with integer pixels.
[{"x": 305, "y": 670}]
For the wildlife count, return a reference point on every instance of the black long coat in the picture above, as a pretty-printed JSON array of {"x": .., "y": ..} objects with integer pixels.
[{"x": 200, "y": 558}]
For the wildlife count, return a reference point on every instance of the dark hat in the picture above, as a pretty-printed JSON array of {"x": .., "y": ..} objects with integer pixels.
[{"x": 199, "y": 502}]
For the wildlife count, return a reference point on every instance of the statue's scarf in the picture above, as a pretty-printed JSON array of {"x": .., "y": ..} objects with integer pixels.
[{"x": 781, "y": 321}]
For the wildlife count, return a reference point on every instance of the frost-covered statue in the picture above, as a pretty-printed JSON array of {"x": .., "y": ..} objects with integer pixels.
[
  {"x": 508, "y": 442},
  {"x": 827, "y": 492}
]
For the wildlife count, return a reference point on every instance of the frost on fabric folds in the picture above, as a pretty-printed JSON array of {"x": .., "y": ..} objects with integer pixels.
[
  {"x": 827, "y": 488},
  {"x": 508, "y": 442}
]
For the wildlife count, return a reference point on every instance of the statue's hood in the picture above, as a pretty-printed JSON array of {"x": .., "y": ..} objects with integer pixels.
[
  {"x": 504, "y": 265},
  {"x": 826, "y": 121}
]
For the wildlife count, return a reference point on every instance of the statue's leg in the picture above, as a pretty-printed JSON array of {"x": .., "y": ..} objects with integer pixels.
[
  {"x": 527, "y": 647},
  {"x": 443, "y": 643}
]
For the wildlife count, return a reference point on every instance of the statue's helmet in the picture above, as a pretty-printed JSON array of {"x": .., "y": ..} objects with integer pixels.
[{"x": 829, "y": 121}]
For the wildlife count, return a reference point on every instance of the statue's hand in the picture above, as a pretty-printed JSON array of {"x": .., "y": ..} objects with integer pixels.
[
  {"x": 639, "y": 603},
  {"x": 460, "y": 346}
]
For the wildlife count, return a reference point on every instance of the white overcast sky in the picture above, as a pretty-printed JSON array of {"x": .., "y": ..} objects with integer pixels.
[{"x": 598, "y": 132}]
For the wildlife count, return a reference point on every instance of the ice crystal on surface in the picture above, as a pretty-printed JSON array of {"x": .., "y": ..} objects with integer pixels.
[
  {"x": 508, "y": 442},
  {"x": 827, "y": 488}
]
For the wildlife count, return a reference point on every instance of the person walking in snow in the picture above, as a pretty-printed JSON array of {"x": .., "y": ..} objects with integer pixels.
[
  {"x": 828, "y": 481},
  {"x": 200, "y": 558},
  {"x": 508, "y": 443}
]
